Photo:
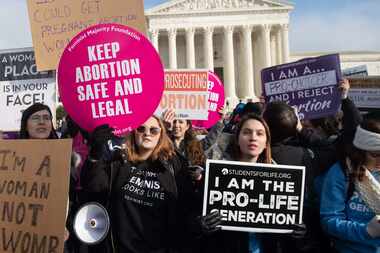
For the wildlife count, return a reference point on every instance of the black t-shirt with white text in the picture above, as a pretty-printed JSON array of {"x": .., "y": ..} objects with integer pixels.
[{"x": 140, "y": 218}]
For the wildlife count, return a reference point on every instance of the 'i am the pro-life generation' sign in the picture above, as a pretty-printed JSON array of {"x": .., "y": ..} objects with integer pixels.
[
  {"x": 310, "y": 85},
  {"x": 110, "y": 74},
  {"x": 254, "y": 197}
]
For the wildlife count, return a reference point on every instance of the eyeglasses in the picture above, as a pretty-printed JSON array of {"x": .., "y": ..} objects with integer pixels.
[
  {"x": 374, "y": 154},
  {"x": 38, "y": 118},
  {"x": 152, "y": 130}
]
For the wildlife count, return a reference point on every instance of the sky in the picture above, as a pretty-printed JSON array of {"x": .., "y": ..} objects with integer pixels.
[{"x": 315, "y": 25}]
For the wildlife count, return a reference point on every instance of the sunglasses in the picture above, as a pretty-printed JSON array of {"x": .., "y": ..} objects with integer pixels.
[{"x": 152, "y": 130}]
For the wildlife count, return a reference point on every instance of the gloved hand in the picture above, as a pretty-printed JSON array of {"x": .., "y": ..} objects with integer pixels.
[
  {"x": 98, "y": 140},
  {"x": 299, "y": 231},
  {"x": 373, "y": 227},
  {"x": 195, "y": 172},
  {"x": 209, "y": 223}
]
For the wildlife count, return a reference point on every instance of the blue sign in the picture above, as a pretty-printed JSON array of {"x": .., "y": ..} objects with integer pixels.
[{"x": 310, "y": 85}]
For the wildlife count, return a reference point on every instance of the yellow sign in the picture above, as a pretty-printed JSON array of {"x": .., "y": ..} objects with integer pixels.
[{"x": 54, "y": 23}]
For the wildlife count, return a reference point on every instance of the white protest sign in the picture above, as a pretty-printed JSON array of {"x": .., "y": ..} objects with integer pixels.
[
  {"x": 21, "y": 86},
  {"x": 365, "y": 92},
  {"x": 186, "y": 91}
]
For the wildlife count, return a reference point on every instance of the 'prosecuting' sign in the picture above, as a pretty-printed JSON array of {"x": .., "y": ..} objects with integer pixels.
[
  {"x": 254, "y": 197},
  {"x": 186, "y": 91}
]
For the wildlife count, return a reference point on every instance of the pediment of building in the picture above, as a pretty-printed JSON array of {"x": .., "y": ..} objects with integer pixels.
[{"x": 184, "y": 6}]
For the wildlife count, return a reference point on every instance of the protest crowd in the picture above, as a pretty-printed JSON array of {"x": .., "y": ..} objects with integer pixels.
[
  {"x": 162, "y": 161},
  {"x": 152, "y": 184}
]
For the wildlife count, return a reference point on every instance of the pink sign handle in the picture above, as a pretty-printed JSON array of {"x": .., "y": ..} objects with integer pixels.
[
  {"x": 215, "y": 99},
  {"x": 110, "y": 74}
]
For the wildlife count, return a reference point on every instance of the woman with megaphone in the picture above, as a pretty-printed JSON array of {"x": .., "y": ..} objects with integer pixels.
[{"x": 144, "y": 187}]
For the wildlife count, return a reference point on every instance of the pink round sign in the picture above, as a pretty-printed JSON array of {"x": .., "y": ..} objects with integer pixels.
[
  {"x": 110, "y": 74},
  {"x": 215, "y": 99}
]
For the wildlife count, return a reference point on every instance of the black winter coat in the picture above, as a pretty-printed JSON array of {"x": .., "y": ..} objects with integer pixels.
[
  {"x": 100, "y": 179},
  {"x": 317, "y": 155}
]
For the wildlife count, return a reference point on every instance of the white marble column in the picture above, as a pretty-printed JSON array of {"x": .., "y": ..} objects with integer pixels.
[
  {"x": 172, "y": 48},
  {"x": 154, "y": 38},
  {"x": 273, "y": 52},
  {"x": 247, "y": 86},
  {"x": 229, "y": 65},
  {"x": 278, "y": 46},
  {"x": 190, "y": 49},
  {"x": 258, "y": 55},
  {"x": 208, "y": 48},
  {"x": 266, "y": 42},
  {"x": 285, "y": 42}
]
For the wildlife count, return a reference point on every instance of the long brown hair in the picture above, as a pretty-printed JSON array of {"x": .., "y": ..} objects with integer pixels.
[
  {"x": 193, "y": 147},
  {"x": 266, "y": 155},
  {"x": 194, "y": 150},
  {"x": 358, "y": 157},
  {"x": 164, "y": 149}
]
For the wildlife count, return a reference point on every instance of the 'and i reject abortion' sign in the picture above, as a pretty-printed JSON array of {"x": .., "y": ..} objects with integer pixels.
[
  {"x": 310, "y": 85},
  {"x": 110, "y": 74},
  {"x": 254, "y": 197}
]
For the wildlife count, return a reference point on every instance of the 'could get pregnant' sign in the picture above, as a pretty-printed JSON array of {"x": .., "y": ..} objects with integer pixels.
[{"x": 110, "y": 74}]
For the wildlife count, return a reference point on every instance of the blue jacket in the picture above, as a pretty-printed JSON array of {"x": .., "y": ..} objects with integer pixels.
[{"x": 346, "y": 219}]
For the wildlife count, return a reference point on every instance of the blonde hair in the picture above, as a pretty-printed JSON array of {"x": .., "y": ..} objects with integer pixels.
[{"x": 164, "y": 149}]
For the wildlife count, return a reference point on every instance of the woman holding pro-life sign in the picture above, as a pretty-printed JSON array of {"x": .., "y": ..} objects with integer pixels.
[
  {"x": 193, "y": 150},
  {"x": 350, "y": 201},
  {"x": 145, "y": 188},
  {"x": 251, "y": 143}
]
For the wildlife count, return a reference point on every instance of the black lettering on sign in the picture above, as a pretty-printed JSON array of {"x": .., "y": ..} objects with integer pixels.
[
  {"x": 17, "y": 212},
  {"x": 45, "y": 165},
  {"x": 6, "y": 161},
  {"x": 37, "y": 190},
  {"x": 25, "y": 242}
]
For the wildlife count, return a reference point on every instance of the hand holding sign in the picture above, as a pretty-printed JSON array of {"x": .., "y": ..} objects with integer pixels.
[
  {"x": 168, "y": 117},
  {"x": 210, "y": 222},
  {"x": 344, "y": 87},
  {"x": 98, "y": 140}
]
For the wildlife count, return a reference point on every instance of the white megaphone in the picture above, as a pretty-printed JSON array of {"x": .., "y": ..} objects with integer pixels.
[{"x": 91, "y": 223}]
